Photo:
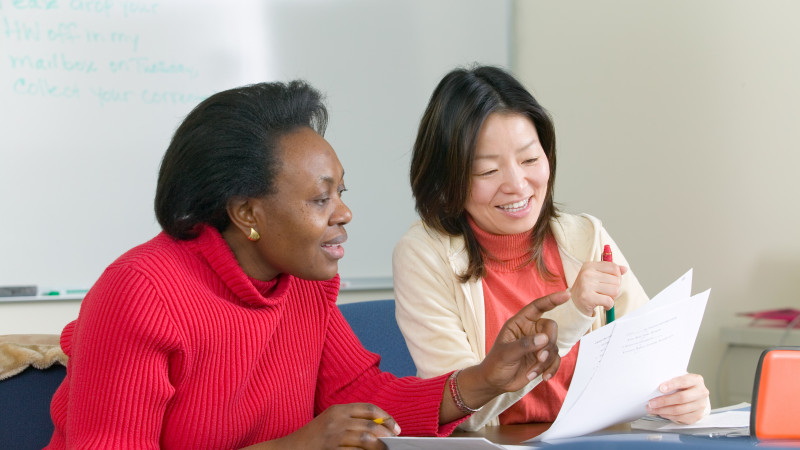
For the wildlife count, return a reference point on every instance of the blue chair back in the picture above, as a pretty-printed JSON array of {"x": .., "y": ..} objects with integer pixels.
[
  {"x": 376, "y": 327},
  {"x": 25, "y": 422}
]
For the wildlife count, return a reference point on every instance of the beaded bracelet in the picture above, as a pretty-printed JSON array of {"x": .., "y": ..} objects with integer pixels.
[{"x": 456, "y": 394}]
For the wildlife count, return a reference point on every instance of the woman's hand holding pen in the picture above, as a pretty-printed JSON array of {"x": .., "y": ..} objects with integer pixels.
[
  {"x": 353, "y": 425},
  {"x": 597, "y": 284},
  {"x": 524, "y": 349}
]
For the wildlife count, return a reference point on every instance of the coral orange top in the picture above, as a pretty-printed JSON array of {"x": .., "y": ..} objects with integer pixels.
[{"x": 511, "y": 283}]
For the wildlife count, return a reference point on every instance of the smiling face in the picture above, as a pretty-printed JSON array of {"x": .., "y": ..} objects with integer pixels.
[
  {"x": 509, "y": 175},
  {"x": 302, "y": 222}
]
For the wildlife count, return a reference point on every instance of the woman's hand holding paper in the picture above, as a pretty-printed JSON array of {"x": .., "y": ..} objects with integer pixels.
[{"x": 685, "y": 400}]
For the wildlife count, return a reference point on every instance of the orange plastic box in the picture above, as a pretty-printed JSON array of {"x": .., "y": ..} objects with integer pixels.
[{"x": 775, "y": 409}]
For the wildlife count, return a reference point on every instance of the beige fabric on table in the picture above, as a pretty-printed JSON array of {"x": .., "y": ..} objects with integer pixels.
[{"x": 20, "y": 351}]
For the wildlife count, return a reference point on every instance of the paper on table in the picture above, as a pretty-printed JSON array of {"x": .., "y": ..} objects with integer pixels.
[
  {"x": 434, "y": 443},
  {"x": 727, "y": 419},
  {"x": 620, "y": 365}
]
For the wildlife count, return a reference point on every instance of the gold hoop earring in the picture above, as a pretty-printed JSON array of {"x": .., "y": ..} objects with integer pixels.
[{"x": 254, "y": 236}]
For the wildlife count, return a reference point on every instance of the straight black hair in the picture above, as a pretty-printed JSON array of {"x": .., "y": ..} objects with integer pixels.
[{"x": 441, "y": 163}]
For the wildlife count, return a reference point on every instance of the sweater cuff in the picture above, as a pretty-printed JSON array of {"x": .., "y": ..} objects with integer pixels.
[
  {"x": 418, "y": 413},
  {"x": 571, "y": 330}
]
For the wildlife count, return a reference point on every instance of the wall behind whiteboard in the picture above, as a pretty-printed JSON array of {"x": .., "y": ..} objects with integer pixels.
[{"x": 91, "y": 93}]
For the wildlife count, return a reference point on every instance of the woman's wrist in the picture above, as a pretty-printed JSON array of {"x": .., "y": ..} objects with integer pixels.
[
  {"x": 455, "y": 393},
  {"x": 584, "y": 308},
  {"x": 474, "y": 387}
]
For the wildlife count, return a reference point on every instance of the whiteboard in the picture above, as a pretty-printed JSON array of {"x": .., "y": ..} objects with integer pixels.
[{"x": 92, "y": 90}]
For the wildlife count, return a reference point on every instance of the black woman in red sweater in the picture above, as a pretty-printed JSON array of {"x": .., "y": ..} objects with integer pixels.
[{"x": 222, "y": 331}]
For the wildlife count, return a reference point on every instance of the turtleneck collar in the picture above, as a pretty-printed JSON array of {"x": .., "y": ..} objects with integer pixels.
[
  {"x": 212, "y": 247},
  {"x": 504, "y": 252}
]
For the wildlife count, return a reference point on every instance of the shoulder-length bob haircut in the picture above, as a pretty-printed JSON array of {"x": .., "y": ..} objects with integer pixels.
[
  {"x": 441, "y": 163},
  {"x": 227, "y": 148}
]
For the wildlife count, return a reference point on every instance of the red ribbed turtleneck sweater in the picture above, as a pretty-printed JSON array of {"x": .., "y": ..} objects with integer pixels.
[
  {"x": 175, "y": 347},
  {"x": 509, "y": 285}
]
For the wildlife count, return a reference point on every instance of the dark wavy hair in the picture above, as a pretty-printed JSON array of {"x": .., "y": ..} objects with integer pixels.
[
  {"x": 441, "y": 163},
  {"x": 227, "y": 148}
]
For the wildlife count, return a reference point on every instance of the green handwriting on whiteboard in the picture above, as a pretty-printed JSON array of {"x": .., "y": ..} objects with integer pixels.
[
  {"x": 102, "y": 51},
  {"x": 101, "y": 7}
]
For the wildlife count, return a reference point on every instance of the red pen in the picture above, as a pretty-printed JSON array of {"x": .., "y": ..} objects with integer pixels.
[
  {"x": 607, "y": 257},
  {"x": 607, "y": 253}
]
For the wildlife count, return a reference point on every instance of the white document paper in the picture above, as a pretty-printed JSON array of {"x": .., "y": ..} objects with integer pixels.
[
  {"x": 621, "y": 365},
  {"x": 733, "y": 420},
  {"x": 729, "y": 419},
  {"x": 434, "y": 443}
]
